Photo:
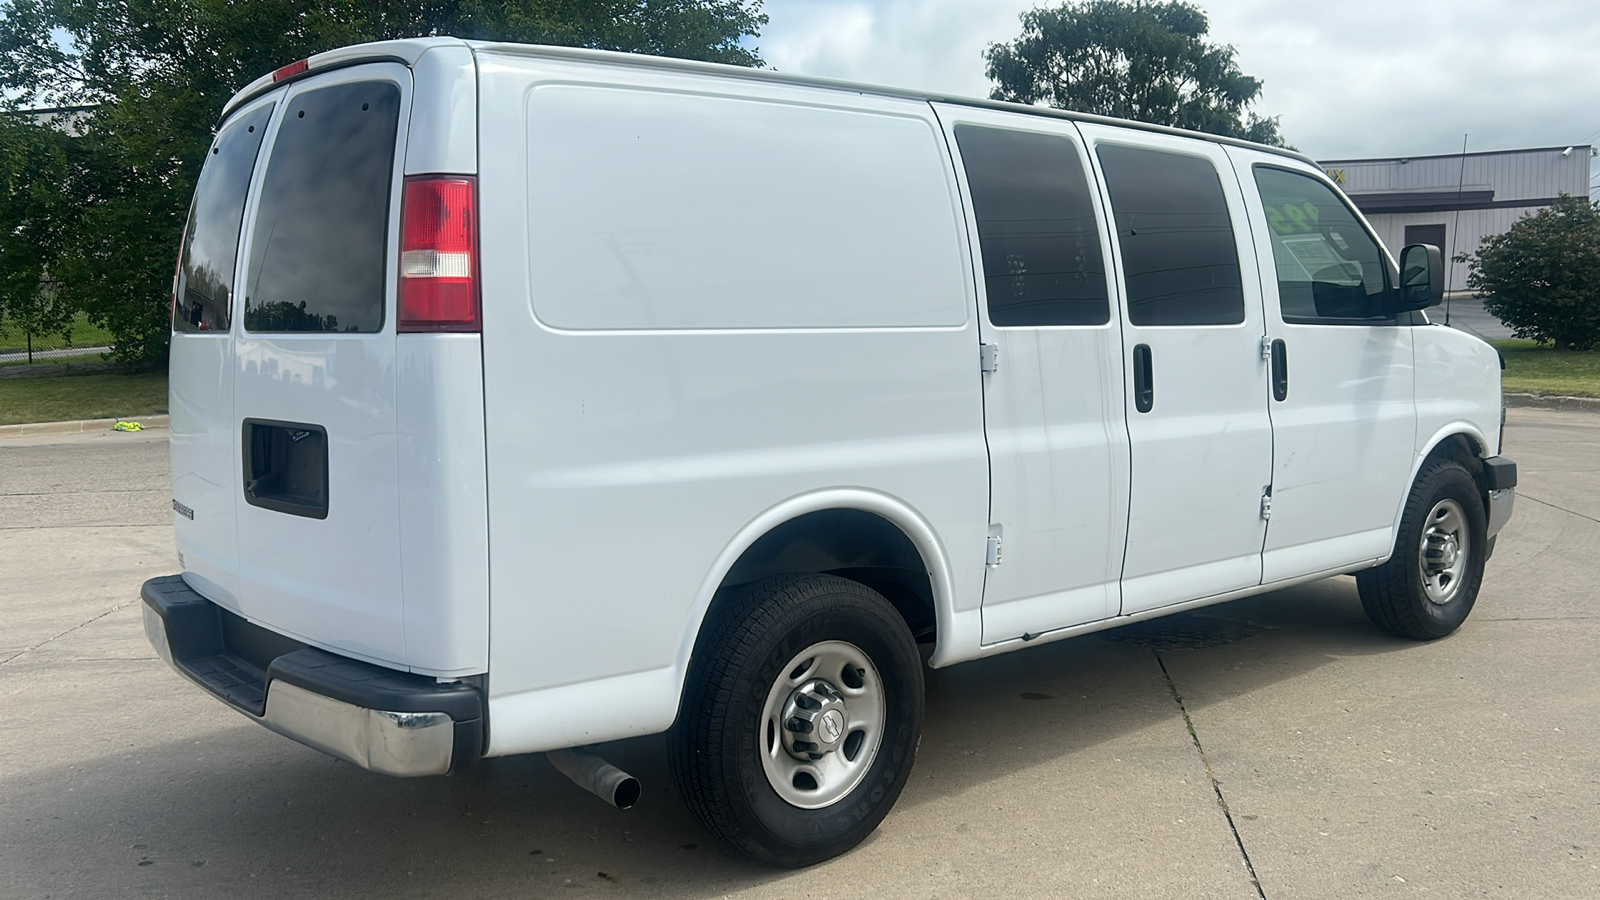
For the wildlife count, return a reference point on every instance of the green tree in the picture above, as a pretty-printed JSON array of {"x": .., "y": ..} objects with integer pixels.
[
  {"x": 1542, "y": 276},
  {"x": 160, "y": 71},
  {"x": 1149, "y": 62},
  {"x": 33, "y": 164}
]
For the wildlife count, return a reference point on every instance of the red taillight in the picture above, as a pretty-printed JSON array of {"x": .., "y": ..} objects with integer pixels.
[
  {"x": 291, "y": 70},
  {"x": 439, "y": 254}
]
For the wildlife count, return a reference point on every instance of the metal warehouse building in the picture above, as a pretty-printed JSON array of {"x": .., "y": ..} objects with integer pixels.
[{"x": 1456, "y": 201}]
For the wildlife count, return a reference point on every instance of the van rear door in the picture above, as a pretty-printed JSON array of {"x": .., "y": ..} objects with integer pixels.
[
  {"x": 314, "y": 422},
  {"x": 204, "y": 478}
]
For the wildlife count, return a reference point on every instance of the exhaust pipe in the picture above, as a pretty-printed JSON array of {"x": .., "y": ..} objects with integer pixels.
[{"x": 597, "y": 776}]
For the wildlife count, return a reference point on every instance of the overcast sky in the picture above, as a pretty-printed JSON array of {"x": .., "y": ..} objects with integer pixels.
[{"x": 1353, "y": 78}]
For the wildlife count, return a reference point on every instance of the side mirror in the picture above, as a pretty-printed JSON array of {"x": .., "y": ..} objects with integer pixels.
[{"x": 1421, "y": 278}]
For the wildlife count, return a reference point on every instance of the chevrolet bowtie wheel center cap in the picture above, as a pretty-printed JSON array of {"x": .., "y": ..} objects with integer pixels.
[{"x": 814, "y": 720}]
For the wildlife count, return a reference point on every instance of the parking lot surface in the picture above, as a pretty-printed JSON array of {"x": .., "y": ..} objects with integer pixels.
[{"x": 1273, "y": 747}]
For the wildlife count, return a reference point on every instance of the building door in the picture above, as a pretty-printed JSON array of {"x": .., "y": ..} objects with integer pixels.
[{"x": 1426, "y": 234}]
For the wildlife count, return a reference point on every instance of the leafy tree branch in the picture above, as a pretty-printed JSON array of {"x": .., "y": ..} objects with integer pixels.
[
  {"x": 106, "y": 222},
  {"x": 1131, "y": 59}
]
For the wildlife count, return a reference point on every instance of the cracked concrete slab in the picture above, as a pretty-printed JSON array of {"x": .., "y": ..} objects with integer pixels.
[{"x": 1438, "y": 766}]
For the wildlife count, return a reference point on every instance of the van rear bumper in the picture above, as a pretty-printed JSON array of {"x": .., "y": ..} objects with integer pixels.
[{"x": 392, "y": 722}]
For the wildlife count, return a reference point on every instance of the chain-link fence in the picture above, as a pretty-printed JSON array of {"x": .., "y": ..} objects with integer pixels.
[{"x": 77, "y": 341}]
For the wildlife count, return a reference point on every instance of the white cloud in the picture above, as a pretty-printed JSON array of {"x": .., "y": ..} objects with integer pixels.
[
  {"x": 1354, "y": 78},
  {"x": 933, "y": 45}
]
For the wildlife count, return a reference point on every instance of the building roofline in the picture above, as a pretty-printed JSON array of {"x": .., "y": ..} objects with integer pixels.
[{"x": 1384, "y": 159}]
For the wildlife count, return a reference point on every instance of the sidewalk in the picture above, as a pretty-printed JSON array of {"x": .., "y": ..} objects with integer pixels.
[{"x": 80, "y": 425}]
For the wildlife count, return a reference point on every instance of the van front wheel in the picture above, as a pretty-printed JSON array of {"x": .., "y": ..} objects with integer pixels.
[
  {"x": 1430, "y": 582},
  {"x": 800, "y": 719}
]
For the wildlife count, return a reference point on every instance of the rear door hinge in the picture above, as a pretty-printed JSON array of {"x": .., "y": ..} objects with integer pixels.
[
  {"x": 1266, "y": 502},
  {"x": 989, "y": 357},
  {"x": 992, "y": 557}
]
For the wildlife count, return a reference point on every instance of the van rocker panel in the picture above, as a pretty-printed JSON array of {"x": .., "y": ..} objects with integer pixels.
[{"x": 391, "y": 722}]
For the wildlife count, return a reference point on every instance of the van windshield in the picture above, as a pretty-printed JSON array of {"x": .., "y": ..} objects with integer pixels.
[
  {"x": 318, "y": 247},
  {"x": 211, "y": 238}
]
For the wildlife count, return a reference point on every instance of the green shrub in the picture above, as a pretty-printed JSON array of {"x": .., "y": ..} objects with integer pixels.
[{"x": 1542, "y": 277}]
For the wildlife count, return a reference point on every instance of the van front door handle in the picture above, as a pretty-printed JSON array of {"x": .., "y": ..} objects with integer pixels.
[
  {"x": 1144, "y": 388},
  {"x": 1280, "y": 371}
]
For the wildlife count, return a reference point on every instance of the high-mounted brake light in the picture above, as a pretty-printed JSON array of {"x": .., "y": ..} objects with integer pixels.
[
  {"x": 291, "y": 70},
  {"x": 439, "y": 254}
]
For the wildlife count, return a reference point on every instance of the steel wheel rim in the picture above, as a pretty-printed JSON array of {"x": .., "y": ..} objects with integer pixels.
[
  {"x": 797, "y": 778},
  {"x": 1443, "y": 551}
]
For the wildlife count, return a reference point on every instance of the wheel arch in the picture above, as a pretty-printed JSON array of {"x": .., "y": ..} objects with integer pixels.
[
  {"x": 1461, "y": 441},
  {"x": 864, "y": 535}
]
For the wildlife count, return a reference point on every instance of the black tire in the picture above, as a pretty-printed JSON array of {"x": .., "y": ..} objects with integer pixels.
[
  {"x": 740, "y": 662},
  {"x": 1396, "y": 594}
]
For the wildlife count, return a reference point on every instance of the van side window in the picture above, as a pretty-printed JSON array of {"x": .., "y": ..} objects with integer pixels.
[
  {"x": 211, "y": 239},
  {"x": 1178, "y": 254},
  {"x": 1036, "y": 227},
  {"x": 1330, "y": 270},
  {"x": 317, "y": 254}
]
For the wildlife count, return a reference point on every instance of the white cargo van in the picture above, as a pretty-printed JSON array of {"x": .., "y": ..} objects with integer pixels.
[{"x": 527, "y": 398}]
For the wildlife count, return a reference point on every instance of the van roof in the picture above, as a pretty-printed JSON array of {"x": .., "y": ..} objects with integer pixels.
[{"x": 409, "y": 50}]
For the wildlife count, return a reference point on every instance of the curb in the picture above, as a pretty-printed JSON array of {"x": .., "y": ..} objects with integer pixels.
[
  {"x": 1550, "y": 401},
  {"x": 79, "y": 426}
]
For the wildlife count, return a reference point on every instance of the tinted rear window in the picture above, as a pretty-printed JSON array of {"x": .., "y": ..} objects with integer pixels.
[
  {"x": 1176, "y": 238},
  {"x": 211, "y": 239},
  {"x": 317, "y": 260},
  {"x": 1036, "y": 227}
]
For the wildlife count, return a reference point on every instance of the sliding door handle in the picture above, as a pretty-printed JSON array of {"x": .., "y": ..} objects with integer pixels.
[
  {"x": 1280, "y": 371},
  {"x": 1144, "y": 388}
]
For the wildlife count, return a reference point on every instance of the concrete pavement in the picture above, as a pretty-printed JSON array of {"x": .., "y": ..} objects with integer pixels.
[{"x": 1281, "y": 736}]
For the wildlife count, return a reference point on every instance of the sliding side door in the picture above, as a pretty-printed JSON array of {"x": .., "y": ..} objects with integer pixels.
[
  {"x": 1058, "y": 446},
  {"x": 1197, "y": 381}
]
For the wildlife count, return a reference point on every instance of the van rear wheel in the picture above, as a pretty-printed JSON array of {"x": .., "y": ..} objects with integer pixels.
[
  {"x": 1430, "y": 582},
  {"x": 800, "y": 718}
]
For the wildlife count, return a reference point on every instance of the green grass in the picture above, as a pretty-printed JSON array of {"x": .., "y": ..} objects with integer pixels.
[
  {"x": 64, "y": 397},
  {"x": 1531, "y": 369},
  {"x": 86, "y": 334},
  {"x": 82, "y": 334}
]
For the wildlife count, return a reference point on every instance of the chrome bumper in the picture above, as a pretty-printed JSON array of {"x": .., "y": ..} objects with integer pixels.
[
  {"x": 393, "y": 743},
  {"x": 379, "y": 719},
  {"x": 1501, "y": 503},
  {"x": 1500, "y": 480}
]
